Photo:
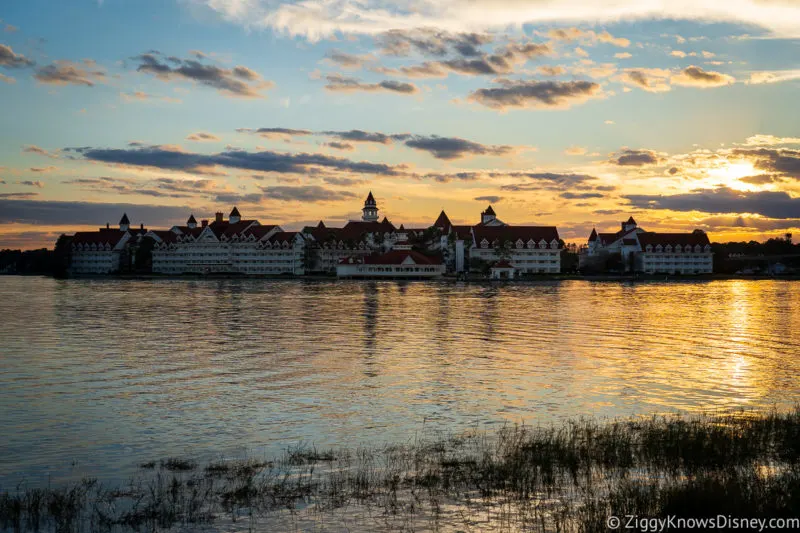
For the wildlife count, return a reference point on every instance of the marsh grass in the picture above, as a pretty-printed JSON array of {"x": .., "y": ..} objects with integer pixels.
[{"x": 567, "y": 477}]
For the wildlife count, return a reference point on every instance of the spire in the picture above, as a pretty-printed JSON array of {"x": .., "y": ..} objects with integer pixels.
[
  {"x": 321, "y": 225},
  {"x": 234, "y": 217},
  {"x": 593, "y": 236},
  {"x": 490, "y": 211},
  {"x": 370, "y": 209},
  {"x": 443, "y": 222},
  {"x": 192, "y": 222},
  {"x": 124, "y": 222},
  {"x": 402, "y": 228}
]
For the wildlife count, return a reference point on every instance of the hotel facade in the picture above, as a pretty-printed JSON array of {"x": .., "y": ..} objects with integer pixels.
[
  {"x": 374, "y": 247},
  {"x": 635, "y": 250}
]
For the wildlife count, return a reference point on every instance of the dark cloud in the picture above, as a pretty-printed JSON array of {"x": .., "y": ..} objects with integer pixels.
[
  {"x": 607, "y": 211},
  {"x": 781, "y": 161},
  {"x": 635, "y": 158},
  {"x": 654, "y": 80},
  {"x": 694, "y": 76},
  {"x": 345, "y": 60},
  {"x": 448, "y": 148},
  {"x": 307, "y": 193},
  {"x": 9, "y": 59},
  {"x": 266, "y": 161},
  {"x": 15, "y": 195},
  {"x": 337, "y": 82},
  {"x": 239, "y": 81},
  {"x": 431, "y": 42},
  {"x": 272, "y": 133},
  {"x": 760, "y": 179},
  {"x": 69, "y": 73},
  {"x": 361, "y": 136},
  {"x": 202, "y": 136},
  {"x": 772, "y": 204},
  {"x": 532, "y": 94},
  {"x": 56, "y": 213},
  {"x": 38, "y": 150},
  {"x": 31, "y": 183},
  {"x": 580, "y": 195},
  {"x": 490, "y": 199},
  {"x": 336, "y": 145}
]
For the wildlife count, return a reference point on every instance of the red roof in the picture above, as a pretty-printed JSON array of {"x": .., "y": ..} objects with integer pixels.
[
  {"x": 514, "y": 233},
  {"x": 397, "y": 257},
  {"x": 355, "y": 229},
  {"x": 103, "y": 236},
  {"x": 674, "y": 239},
  {"x": 443, "y": 221},
  {"x": 166, "y": 235},
  {"x": 283, "y": 236},
  {"x": 259, "y": 231},
  {"x": 462, "y": 232}
]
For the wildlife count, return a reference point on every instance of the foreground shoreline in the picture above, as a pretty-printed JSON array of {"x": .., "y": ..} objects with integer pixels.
[{"x": 567, "y": 477}]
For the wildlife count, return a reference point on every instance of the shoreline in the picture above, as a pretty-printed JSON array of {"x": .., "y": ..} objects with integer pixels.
[{"x": 568, "y": 476}]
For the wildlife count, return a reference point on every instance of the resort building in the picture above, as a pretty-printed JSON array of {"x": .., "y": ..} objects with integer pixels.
[
  {"x": 633, "y": 249},
  {"x": 228, "y": 246},
  {"x": 400, "y": 263},
  {"x": 329, "y": 246},
  {"x": 527, "y": 249},
  {"x": 104, "y": 251}
]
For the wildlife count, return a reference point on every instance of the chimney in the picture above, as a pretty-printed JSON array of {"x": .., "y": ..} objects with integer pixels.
[
  {"x": 204, "y": 223},
  {"x": 218, "y": 217},
  {"x": 108, "y": 226},
  {"x": 141, "y": 226}
]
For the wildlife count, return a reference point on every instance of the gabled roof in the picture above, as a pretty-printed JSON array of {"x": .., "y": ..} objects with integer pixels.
[
  {"x": 489, "y": 211},
  {"x": 593, "y": 236},
  {"x": 514, "y": 233},
  {"x": 103, "y": 236},
  {"x": 321, "y": 225},
  {"x": 462, "y": 232},
  {"x": 283, "y": 236},
  {"x": 631, "y": 221},
  {"x": 398, "y": 257},
  {"x": 165, "y": 236},
  {"x": 124, "y": 219},
  {"x": 356, "y": 228},
  {"x": 259, "y": 231},
  {"x": 370, "y": 199},
  {"x": 235, "y": 213},
  {"x": 674, "y": 239},
  {"x": 191, "y": 220},
  {"x": 443, "y": 221}
]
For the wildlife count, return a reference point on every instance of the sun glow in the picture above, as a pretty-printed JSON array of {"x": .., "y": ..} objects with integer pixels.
[{"x": 729, "y": 174}]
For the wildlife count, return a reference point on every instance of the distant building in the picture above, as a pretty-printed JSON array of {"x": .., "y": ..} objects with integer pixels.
[
  {"x": 228, "y": 246},
  {"x": 400, "y": 263},
  {"x": 527, "y": 249},
  {"x": 104, "y": 251},
  {"x": 636, "y": 250},
  {"x": 357, "y": 239}
]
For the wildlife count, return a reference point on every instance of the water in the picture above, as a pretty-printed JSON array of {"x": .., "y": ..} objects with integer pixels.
[{"x": 98, "y": 376}]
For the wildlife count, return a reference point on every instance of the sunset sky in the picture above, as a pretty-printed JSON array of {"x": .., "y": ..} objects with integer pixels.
[{"x": 684, "y": 114}]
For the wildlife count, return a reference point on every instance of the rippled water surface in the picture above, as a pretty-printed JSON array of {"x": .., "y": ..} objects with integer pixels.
[{"x": 97, "y": 376}]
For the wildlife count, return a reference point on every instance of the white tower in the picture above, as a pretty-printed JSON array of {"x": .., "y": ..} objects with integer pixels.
[{"x": 370, "y": 209}]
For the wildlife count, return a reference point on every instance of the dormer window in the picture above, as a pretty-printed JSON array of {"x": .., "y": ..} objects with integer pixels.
[
  {"x": 668, "y": 248},
  {"x": 543, "y": 244},
  {"x": 678, "y": 248},
  {"x": 554, "y": 244},
  {"x": 697, "y": 248},
  {"x": 484, "y": 243},
  {"x": 520, "y": 244},
  {"x": 649, "y": 248},
  {"x": 531, "y": 243},
  {"x": 707, "y": 248},
  {"x": 659, "y": 248}
]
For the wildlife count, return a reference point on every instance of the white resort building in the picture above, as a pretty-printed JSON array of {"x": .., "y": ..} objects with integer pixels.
[
  {"x": 400, "y": 263},
  {"x": 527, "y": 249},
  {"x": 369, "y": 247},
  {"x": 636, "y": 250},
  {"x": 104, "y": 251},
  {"x": 228, "y": 246}
]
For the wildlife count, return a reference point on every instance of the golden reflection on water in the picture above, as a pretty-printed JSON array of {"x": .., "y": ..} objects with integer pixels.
[{"x": 112, "y": 373}]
